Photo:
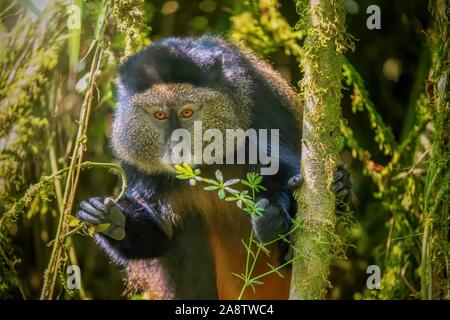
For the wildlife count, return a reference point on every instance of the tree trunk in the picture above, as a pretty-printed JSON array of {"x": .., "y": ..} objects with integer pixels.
[
  {"x": 436, "y": 204},
  {"x": 321, "y": 94}
]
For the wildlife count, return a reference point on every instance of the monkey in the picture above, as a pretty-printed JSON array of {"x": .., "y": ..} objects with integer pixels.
[{"x": 177, "y": 241}]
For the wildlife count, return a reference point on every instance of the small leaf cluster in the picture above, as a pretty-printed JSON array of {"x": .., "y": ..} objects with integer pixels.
[{"x": 245, "y": 199}]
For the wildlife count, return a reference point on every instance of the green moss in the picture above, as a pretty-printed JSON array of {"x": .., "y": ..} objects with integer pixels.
[
  {"x": 263, "y": 29},
  {"x": 132, "y": 21},
  {"x": 436, "y": 195},
  {"x": 321, "y": 62}
]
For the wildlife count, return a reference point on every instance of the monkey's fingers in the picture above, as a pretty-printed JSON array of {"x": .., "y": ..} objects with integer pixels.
[
  {"x": 295, "y": 181},
  {"x": 339, "y": 174},
  {"x": 271, "y": 224},
  {"x": 343, "y": 193},
  {"x": 109, "y": 202},
  {"x": 97, "y": 203},
  {"x": 341, "y": 184},
  {"x": 115, "y": 215},
  {"x": 87, "y": 217},
  {"x": 89, "y": 208},
  {"x": 338, "y": 186}
]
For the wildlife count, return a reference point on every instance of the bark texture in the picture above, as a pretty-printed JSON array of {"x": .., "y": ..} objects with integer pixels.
[{"x": 321, "y": 94}]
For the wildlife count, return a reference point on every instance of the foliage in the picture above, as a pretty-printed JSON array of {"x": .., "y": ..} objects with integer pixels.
[
  {"x": 26, "y": 112},
  {"x": 57, "y": 96},
  {"x": 26, "y": 70},
  {"x": 132, "y": 21},
  {"x": 264, "y": 29}
]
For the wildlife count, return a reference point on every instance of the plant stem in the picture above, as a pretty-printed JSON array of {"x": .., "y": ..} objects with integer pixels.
[
  {"x": 72, "y": 180},
  {"x": 13, "y": 269}
]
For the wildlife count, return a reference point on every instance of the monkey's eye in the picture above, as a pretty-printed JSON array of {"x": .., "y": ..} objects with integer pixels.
[
  {"x": 186, "y": 113},
  {"x": 160, "y": 115}
]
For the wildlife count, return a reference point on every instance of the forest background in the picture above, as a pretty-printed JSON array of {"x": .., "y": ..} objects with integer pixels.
[{"x": 55, "y": 63}]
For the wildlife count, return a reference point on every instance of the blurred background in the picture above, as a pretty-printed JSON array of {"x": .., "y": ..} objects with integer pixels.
[{"x": 44, "y": 78}]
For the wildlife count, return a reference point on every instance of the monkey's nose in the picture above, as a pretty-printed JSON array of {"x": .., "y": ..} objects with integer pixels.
[{"x": 175, "y": 152}]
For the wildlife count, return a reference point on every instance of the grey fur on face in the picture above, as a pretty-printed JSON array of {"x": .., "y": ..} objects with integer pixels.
[{"x": 143, "y": 140}]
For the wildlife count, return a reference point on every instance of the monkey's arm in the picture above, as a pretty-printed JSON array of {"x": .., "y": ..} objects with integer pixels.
[
  {"x": 281, "y": 207},
  {"x": 135, "y": 232}
]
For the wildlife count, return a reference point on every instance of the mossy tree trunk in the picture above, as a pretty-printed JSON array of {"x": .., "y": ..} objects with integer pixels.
[
  {"x": 436, "y": 205},
  {"x": 321, "y": 90}
]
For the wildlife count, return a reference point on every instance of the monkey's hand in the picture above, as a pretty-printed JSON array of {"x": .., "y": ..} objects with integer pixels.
[
  {"x": 341, "y": 186},
  {"x": 276, "y": 219},
  {"x": 273, "y": 223},
  {"x": 98, "y": 211}
]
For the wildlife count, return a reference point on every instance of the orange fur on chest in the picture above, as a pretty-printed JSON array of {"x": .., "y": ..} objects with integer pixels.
[{"x": 228, "y": 226}]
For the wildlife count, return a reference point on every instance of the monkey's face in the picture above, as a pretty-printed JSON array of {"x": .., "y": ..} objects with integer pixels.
[{"x": 144, "y": 123}]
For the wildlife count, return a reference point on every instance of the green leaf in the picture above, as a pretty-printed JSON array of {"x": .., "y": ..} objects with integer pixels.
[
  {"x": 219, "y": 176},
  {"x": 210, "y": 188},
  {"x": 257, "y": 282},
  {"x": 249, "y": 202},
  {"x": 100, "y": 22},
  {"x": 73, "y": 221},
  {"x": 245, "y": 182},
  {"x": 91, "y": 230},
  {"x": 264, "y": 249},
  {"x": 230, "y": 182},
  {"x": 102, "y": 227},
  {"x": 188, "y": 169},
  {"x": 221, "y": 194},
  {"x": 211, "y": 181},
  {"x": 260, "y": 187},
  {"x": 241, "y": 276},
  {"x": 258, "y": 211},
  {"x": 231, "y": 190}
]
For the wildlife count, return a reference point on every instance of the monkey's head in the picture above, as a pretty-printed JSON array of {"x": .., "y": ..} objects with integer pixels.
[{"x": 170, "y": 85}]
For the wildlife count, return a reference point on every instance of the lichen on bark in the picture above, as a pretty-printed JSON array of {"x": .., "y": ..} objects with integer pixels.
[
  {"x": 436, "y": 204},
  {"x": 321, "y": 64}
]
